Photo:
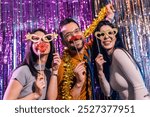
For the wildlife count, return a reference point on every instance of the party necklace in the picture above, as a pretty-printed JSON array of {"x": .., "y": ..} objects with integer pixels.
[{"x": 68, "y": 76}]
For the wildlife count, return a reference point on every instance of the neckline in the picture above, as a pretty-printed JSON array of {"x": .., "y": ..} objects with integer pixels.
[{"x": 37, "y": 67}]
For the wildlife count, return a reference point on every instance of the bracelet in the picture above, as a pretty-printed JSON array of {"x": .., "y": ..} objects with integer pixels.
[
  {"x": 55, "y": 74},
  {"x": 146, "y": 95}
]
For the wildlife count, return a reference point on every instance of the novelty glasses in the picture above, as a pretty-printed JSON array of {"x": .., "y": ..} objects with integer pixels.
[
  {"x": 46, "y": 38},
  {"x": 102, "y": 34}
]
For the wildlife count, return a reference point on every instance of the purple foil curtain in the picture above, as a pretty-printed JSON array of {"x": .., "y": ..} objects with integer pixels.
[
  {"x": 17, "y": 17},
  {"x": 133, "y": 17}
]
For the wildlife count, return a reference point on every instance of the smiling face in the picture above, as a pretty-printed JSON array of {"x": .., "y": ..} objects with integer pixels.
[
  {"x": 107, "y": 36},
  {"x": 71, "y": 31},
  {"x": 41, "y": 46}
]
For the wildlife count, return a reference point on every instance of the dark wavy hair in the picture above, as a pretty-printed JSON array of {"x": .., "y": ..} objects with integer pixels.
[
  {"x": 119, "y": 44},
  {"x": 65, "y": 22},
  {"x": 31, "y": 58}
]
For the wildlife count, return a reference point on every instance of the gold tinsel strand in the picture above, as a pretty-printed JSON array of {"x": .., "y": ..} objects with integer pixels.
[
  {"x": 67, "y": 77},
  {"x": 93, "y": 25}
]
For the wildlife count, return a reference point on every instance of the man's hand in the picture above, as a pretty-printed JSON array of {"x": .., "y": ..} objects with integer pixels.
[
  {"x": 110, "y": 12},
  {"x": 80, "y": 73}
]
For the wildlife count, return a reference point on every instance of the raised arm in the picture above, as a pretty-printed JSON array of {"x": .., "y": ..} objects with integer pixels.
[
  {"x": 105, "y": 86},
  {"x": 17, "y": 83},
  {"x": 53, "y": 87},
  {"x": 110, "y": 13},
  {"x": 80, "y": 74}
]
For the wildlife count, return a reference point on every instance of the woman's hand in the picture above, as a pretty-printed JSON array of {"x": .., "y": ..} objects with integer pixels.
[
  {"x": 99, "y": 63},
  {"x": 39, "y": 85},
  {"x": 56, "y": 62}
]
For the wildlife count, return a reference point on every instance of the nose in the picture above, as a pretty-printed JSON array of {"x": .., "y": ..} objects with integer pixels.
[
  {"x": 41, "y": 40},
  {"x": 106, "y": 36},
  {"x": 72, "y": 35}
]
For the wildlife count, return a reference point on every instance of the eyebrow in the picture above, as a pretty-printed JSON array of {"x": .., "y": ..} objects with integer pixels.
[
  {"x": 72, "y": 30},
  {"x": 68, "y": 32}
]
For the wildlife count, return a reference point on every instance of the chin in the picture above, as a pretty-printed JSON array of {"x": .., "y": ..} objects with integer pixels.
[
  {"x": 81, "y": 45},
  {"x": 79, "y": 49},
  {"x": 44, "y": 53},
  {"x": 108, "y": 47},
  {"x": 74, "y": 49}
]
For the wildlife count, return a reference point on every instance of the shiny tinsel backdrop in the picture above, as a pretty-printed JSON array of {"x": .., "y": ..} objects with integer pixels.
[{"x": 17, "y": 17}]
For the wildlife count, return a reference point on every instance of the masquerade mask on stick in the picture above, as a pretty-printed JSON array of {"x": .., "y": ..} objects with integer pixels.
[{"x": 42, "y": 41}]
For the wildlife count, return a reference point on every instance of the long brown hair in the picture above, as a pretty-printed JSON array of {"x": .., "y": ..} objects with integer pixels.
[{"x": 31, "y": 58}]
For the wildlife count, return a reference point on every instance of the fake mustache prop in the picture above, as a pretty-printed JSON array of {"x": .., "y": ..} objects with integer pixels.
[
  {"x": 78, "y": 37},
  {"x": 74, "y": 38}
]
